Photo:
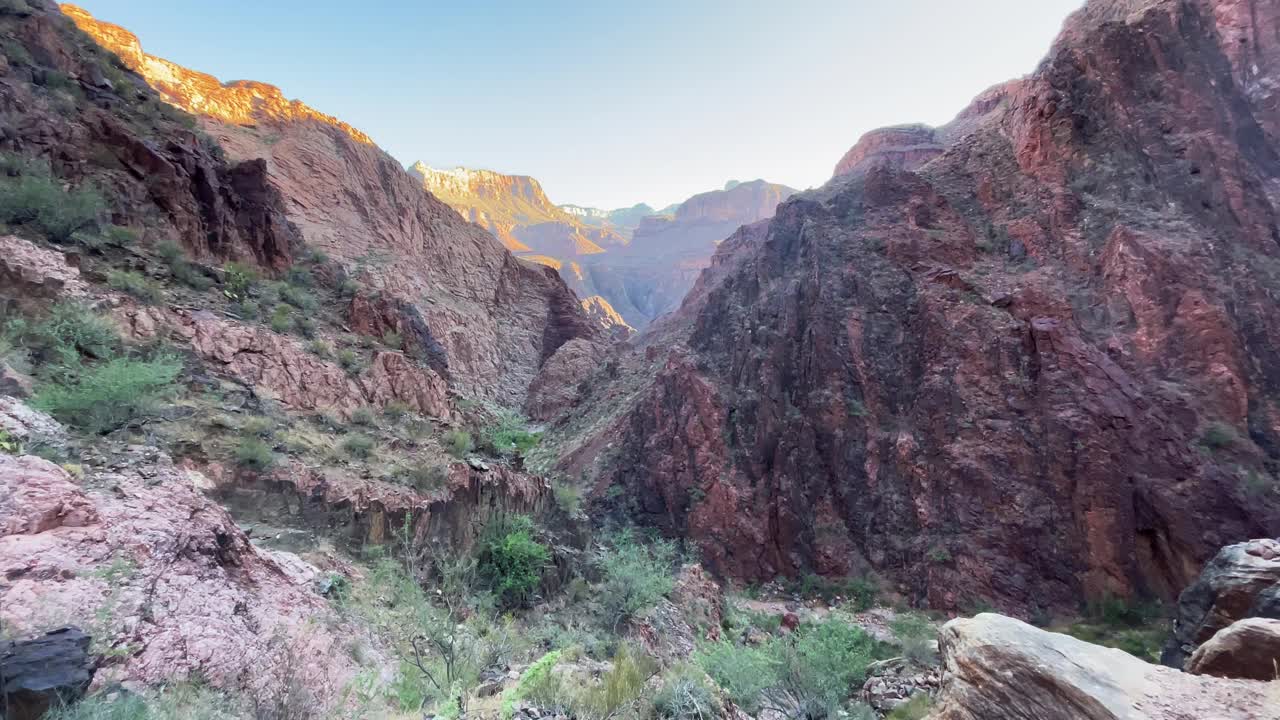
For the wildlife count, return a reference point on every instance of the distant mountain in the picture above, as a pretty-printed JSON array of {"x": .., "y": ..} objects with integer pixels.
[
  {"x": 516, "y": 210},
  {"x": 624, "y": 220}
]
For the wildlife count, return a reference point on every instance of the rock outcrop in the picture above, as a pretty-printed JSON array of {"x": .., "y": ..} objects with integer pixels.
[
  {"x": 899, "y": 148},
  {"x": 174, "y": 588},
  {"x": 497, "y": 319},
  {"x": 997, "y": 668},
  {"x": 1242, "y": 581},
  {"x": 1248, "y": 648},
  {"x": 44, "y": 673},
  {"x": 106, "y": 132},
  {"x": 1041, "y": 366}
]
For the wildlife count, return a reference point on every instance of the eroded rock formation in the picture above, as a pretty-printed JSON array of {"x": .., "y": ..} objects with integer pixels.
[{"x": 1040, "y": 366}]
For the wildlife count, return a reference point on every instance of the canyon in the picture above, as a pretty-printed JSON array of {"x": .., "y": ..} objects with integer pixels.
[{"x": 986, "y": 426}]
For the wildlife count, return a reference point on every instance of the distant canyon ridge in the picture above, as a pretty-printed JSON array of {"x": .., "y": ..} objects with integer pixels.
[{"x": 631, "y": 264}]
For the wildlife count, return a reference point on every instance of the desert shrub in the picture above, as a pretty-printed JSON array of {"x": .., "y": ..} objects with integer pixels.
[
  {"x": 916, "y": 635},
  {"x": 247, "y": 309},
  {"x": 685, "y": 695},
  {"x": 120, "y": 236},
  {"x": 298, "y": 297},
  {"x": 1218, "y": 436},
  {"x": 300, "y": 276},
  {"x": 392, "y": 340},
  {"x": 259, "y": 427},
  {"x": 349, "y": 288},
  {"x": 510, "y": 436},
  {"x": 917, "y": 708},
  {"x": 861, "y": 591},
  {"x": 254, "y": 454},
  {"x": 320, "y": 349},
  {"x": 349, "y": 361},
  {"x": 358, "y": 446},
  {"x": 238, "y": 279},
  {"x": 137, "y": 285},
  {"x": 68, "y": 333},
  {"x": 622, "y": 684},
  {"x": 362, "y": 417},
  {"x": 634, "y": 575},
  {"x": 568, "y": 498},
  {"x": 458, "y": 443},
  {"x": 744, "y": 673},
  {"x": 426, "y": 477},
  {"x": 808, "y": 673},
  {"x": 182, "y": 271},
  {"x": 305, "y": 326},
  {"x": 37, "y": 200},
  {"x": 106, "y": 397},
  {"x": 512, "y": 561},
  {"x": 1135, "y": 627},
  {"x": 281, "y": 319},
  {"x": 176, "y": 702},
  {"x": 539, "y": 684},
  {"x": 170, "y": 251},
  {"x": 397, "y": 410},
  {"x": 9, "y": 444}
]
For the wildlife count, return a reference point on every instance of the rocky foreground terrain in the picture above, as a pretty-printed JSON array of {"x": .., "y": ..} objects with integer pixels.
[{"x": 282, "y": 435}]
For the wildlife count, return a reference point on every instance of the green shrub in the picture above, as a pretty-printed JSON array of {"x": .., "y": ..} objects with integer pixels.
[
  {"x": 744, "y": 673},
  {"x": 109, "y": 396},
  {"x": 300, "y": 277},
  {"x": 397, "y": 410},
  {"x": 392, "y": 340},
  {"x": 539, "y": 684},
  {"x": 458, "y": 442},
  {"x": 685, "y": 695},
  {"x": 917, "y": 708},
  {"x": 137, "y": 285},
  {"x": 1218, "y": 436},
  {"x": 512, "y": 561},
  {"x": 254, "y": 454},
  {"x": 349, "y": 288},
  {"x": 69, "y": 332},
  {"x": 635, "y": 575},
  {"x": 246, "y": 309},
  {"x": 568, "y": 498},
  {"x": 320, "y": 349},
  {"x": 9, "y": 444},
  {"x": 281, "y": 319},
  {"x": 120, "y": 236},
  {"x": 620, "y": 685},
  {"x": 362, "y": 416},
  {"x": 305, "y": 326},
  {"x": 170, "y": 251},
  {"x": 426, "y": 477},
  {"x": 238, "y": 279},
  {"x": 510, "y": 436},
  {"x": 37, "y": 200},
  {"x": 358, "y": 446},
  {"x": 916, "y": 635},
  {"x": 299, "y": 298},
  {"x": 817, "y": 667},
  {"x": 259, "y": 427},
  {"x": 349, "y": 361},
  {"x": 176, "y": 702},
  {"x": 183, "y": 271}
]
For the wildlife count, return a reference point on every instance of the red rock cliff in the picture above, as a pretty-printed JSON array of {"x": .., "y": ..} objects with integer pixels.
[{"x": 1045, "y": 364}]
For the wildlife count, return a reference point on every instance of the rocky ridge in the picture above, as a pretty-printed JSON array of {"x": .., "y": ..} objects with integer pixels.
[{"x": 1037, "y": 367}]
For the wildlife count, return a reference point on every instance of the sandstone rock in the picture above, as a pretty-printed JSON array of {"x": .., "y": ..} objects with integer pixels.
[
  {"x": 179, "y": 590},
  {"x": 904, "y": 148},
  {"x": 44, "y": 672},
  {"x": 997, "y": 668},
  {"x": 1248, "y": 648},
  {"x": 14, "y": 383},
  {"x": 700, "y": 598},
  {"x": 1233, "y": 586},
  {"x": 30, "y": 273}
]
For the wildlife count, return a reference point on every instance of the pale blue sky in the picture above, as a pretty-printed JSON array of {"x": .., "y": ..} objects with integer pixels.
[{"x": 612, "y": 103}]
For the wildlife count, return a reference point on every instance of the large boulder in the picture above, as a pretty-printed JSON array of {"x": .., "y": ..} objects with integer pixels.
[
  {"x": 1248, "y": 648},
  {"x": 44, "y": 672},
  {"x": 1241, "y": 581},
  {"x": 998, "y": 668}
]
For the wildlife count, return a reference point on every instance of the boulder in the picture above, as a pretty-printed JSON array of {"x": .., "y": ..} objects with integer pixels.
[
  {"x": 1248, "y": 648},
  {"x": 893, "y": 682},
  {"x": 44, "y": 672},
  {"x": 1242, "y": 581},
  {"x": 998, "y": 668}
]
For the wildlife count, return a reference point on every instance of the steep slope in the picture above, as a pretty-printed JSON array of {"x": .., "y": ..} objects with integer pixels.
[
  {"x": 495, "y": 319},
  {"x": 1042, "y": 365},
  {"x": 516, "y": 210}
]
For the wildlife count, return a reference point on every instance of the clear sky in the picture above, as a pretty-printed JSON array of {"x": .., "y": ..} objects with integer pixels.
[{"x": 611, "y": 103}]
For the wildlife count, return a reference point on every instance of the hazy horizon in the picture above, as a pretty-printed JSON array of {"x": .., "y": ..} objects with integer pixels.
[{"x": 607, "y": 107}]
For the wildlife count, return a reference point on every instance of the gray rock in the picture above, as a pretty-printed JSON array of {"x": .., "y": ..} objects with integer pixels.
[
  {"x": 1242, "y": 580},
  {"x": 44, "y": 672},
  {"x": 1248, "y": 648}
]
